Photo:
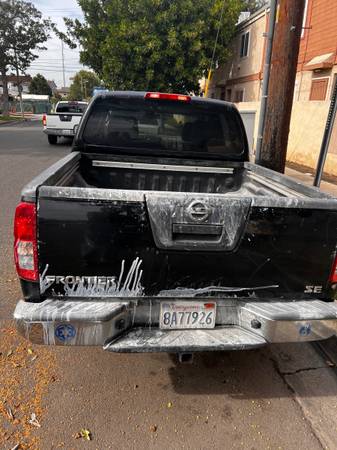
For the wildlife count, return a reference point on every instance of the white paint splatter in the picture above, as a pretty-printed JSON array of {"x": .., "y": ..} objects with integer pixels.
[
  {"x": 45, "y": 283},
  {"x": 130, "y": 286}
]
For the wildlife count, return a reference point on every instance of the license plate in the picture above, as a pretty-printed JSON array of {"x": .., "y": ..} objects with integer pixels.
[{"x": 181, "y": 315}]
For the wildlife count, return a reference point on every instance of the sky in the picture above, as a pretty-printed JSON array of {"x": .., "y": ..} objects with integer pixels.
[{"x": 49, "y": 63}]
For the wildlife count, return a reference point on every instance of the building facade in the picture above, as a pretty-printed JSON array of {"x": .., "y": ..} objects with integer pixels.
[
  {"x": 13, "y": 81},
  {"x": 240, "y": 79}
]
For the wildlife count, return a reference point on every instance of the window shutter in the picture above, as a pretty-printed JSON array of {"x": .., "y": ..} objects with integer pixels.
[{"x": 318, "y": 89}]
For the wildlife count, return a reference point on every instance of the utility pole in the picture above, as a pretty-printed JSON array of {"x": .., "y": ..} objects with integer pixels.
[
  {"x": 64, "y": 76},
  {"x": 284, "y": 59}
]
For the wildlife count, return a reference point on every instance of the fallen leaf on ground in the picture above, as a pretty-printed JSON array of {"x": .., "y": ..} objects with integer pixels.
[
  {"x": 9, "y": 353},
  {"x": 84, "y": 433},
  {"x": 16, "y": 447},
  {"x": 170, "y": 404},
  {"x": 10, "y": 412},
  {"x": 33, "y": 421},
  {"x": 153, "y": 428},
  {"x": 30, "y": 351}
]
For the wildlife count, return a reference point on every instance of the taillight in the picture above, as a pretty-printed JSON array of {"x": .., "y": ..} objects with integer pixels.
[
  {"x": 333, "y": 277},
  {"x": 25, "y": 245},
  {"x": 174, "y": 97},
  {"x": 44, "y": 120}
]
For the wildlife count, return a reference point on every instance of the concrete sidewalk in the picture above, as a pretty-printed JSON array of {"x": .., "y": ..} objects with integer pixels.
[{"x": 308, "y": 178}]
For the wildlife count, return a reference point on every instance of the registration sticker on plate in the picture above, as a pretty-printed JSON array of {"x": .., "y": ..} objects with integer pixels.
[{"x": 180, "y": 315}]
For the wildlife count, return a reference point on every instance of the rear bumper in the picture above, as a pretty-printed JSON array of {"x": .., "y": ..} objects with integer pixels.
[
  {"x": 59, "y": 132},
  {"x": 132, "y": 325}
]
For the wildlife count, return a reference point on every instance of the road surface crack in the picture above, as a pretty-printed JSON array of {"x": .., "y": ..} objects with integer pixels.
[
  {"x": 283, "y": 376},
  {"x": 306, "y": 369}
]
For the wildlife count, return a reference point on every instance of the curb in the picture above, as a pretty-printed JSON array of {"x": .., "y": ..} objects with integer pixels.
[
  {"x": 328, "y": 349},
  {"x": 7, "y": 122}
]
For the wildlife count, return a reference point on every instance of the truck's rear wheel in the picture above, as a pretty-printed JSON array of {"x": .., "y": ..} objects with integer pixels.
[{"x": 52, "y": 139}]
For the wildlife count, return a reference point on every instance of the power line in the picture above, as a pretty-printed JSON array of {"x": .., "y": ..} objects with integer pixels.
[
  {"x": 53, "y": 59},
  {"x": 214, "y": 49},
  {"x": 51, "y": 66},
  {"x": 53, "y": 70}
]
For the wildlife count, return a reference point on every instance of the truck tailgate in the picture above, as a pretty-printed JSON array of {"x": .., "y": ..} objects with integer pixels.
[
  {"x": 63, "y": 120},
  {"x": 98, "y": 242}
]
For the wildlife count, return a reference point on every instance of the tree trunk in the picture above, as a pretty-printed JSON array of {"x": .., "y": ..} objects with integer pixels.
[{"x": 5, "y": 108}]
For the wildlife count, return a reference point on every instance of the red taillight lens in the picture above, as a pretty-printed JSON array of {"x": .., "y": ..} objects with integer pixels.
[
  {"x": 174, "y": 97},
  {"x": 25, "y": 246},
  {"x": 44, "y": 120},
  {"x": 333, "y": 277}
]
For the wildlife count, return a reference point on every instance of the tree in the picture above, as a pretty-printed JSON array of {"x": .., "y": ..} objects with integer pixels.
[
  {"x": 253, "y": 5},
  {"x": 39, "y": 85},
  {"x": 152, "y": 44},
  {"x": 22, "y": 30},
  {"x": 83, "y": 84}
]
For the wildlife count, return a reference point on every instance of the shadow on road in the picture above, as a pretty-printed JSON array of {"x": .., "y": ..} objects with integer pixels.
[{"x": 252, "y": 374}]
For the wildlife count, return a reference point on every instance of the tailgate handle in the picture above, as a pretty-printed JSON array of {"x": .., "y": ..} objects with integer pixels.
[
  {"x": 199, "y": 229},
  {"x": 64, "y": 118}
]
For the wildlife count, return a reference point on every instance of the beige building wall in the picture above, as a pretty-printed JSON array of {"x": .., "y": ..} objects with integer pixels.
[{"x": 307, "y": 126}]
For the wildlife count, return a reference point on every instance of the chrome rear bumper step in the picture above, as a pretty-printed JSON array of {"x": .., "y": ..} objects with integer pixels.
[
  {"x": 131, "y": 325},
  {"x": 174, "y": 341}
]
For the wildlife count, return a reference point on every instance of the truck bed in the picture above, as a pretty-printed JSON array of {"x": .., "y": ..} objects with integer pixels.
[
  {"x": 97, "y": 172},
  {"x": 262, "y": 230}
]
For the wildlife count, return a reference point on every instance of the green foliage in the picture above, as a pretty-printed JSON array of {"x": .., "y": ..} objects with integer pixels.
[
  {"x": 22, "y": 31},
  {"x": 39, "y": 85},
  {"x": 161, "y": 45},
  {"x": 83, "y": 84},
  {"x": 253, "y": 5}
]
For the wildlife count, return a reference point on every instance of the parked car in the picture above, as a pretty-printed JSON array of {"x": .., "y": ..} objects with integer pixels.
[
  {"x": 64, "y": 121},
  {"x": 157, "y": 234}
]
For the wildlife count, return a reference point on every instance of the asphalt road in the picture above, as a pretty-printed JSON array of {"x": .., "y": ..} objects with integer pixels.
[{"x": 280, "y": 397}]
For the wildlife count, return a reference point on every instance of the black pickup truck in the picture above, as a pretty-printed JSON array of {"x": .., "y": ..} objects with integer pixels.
[{"x": 157, "y": 234}]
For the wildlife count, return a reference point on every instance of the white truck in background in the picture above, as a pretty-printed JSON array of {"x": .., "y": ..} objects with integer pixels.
[{"x": 64, "y": 121}]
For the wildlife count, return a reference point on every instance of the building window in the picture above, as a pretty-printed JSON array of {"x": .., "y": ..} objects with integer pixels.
[
  {"x": 238, "y": 97},
  {"x": 319, "y": 88},
  {"x": 244, "y": 44}
]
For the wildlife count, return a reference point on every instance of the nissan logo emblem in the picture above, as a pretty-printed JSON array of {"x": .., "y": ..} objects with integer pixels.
[{"x": 198, "y": 211}]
